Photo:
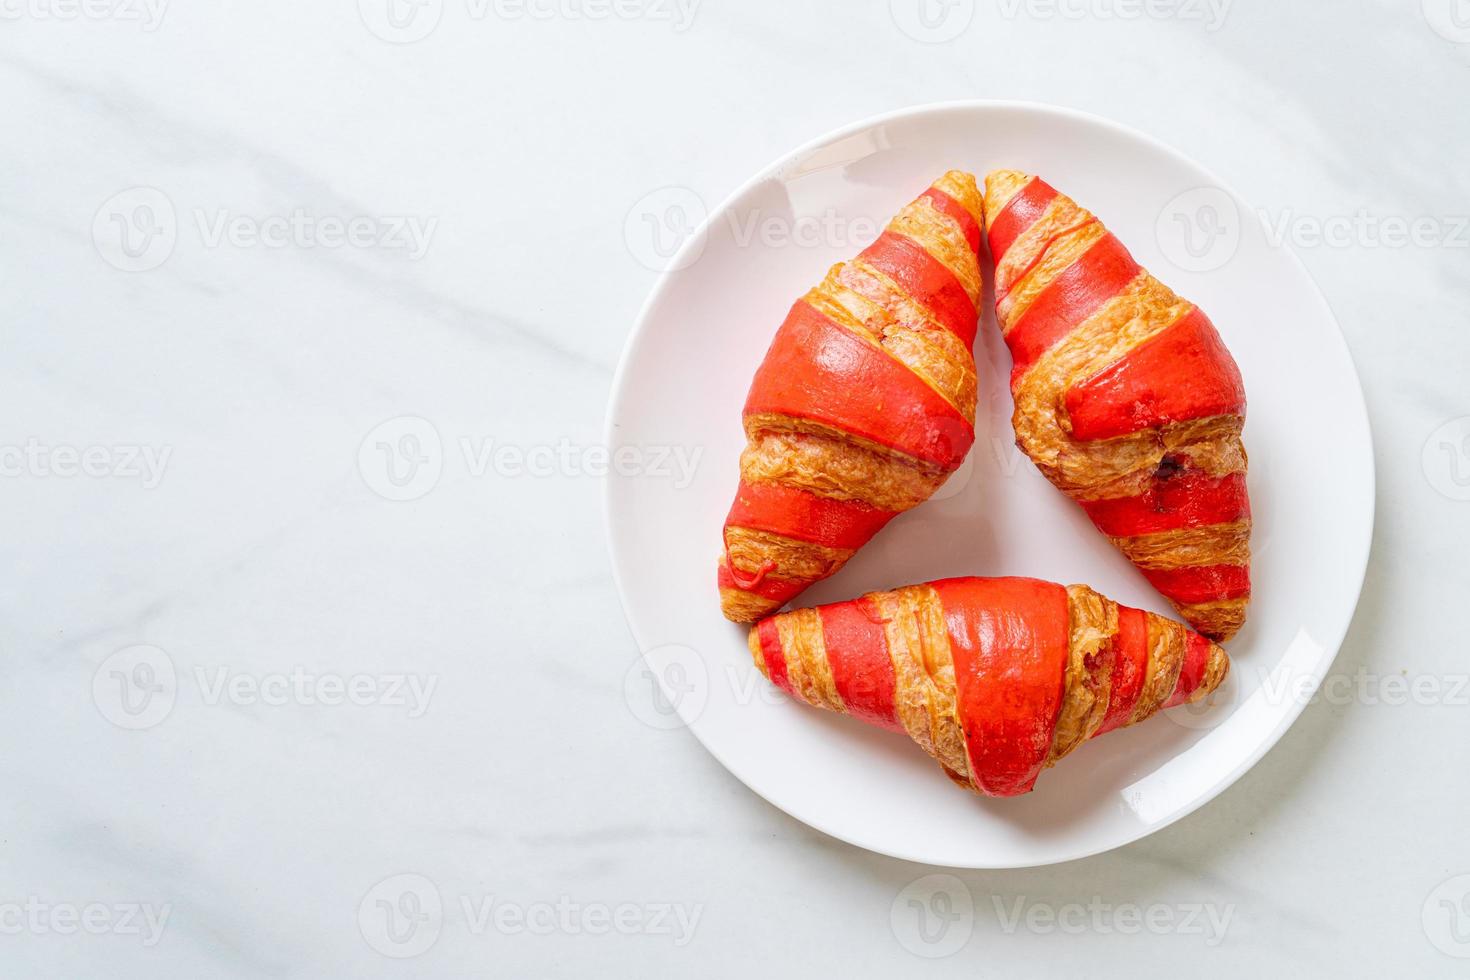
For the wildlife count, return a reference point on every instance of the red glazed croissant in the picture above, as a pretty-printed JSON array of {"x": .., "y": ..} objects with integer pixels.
[
  {"x": 1125, "y": 398},
  {"x": 996, "y": 678},
  {"x": 864, "y": 405}
]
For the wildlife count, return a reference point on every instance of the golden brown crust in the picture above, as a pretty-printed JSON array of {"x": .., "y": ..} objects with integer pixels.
[
  {"x": 1093, "y": 622},
  {"x": 749, "y": 548},
  {"x": 753, "y": 643},
  {"x": 963, "y": 187},
  {"x": 813, "y": 457},
  {"x": 1166, "y": 645},
  {"x": 1000, "y": 187},
  {"x": 924, "y": 681},
  {"x": 830, "y": 462},
  {"x": 1043, "y": 430},
  {"x": 941, "y": 238},
  {"x": 874, "y": 307},
  {"x": 1126, "y": 466},
  {"x": 1065, "y": 232},
  {"x": 807, "y": 666},
  {"x": 1218, "y": 544},
  {"x": 740, "y": 606},
  {"x": 1222, "y": 618},
  {"x": 916, "y": 636},
  {"x": 1217, "y": 668}
]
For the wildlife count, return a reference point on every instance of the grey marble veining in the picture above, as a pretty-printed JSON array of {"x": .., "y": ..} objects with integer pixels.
[{"x": 258, "y": 713}]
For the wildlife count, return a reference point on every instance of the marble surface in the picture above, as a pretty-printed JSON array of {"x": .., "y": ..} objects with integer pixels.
[{"x": 312, "y": 662}]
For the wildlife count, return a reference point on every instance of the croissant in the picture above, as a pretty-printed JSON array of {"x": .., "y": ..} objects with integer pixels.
[
  {"x": 863, "y": 406},
  {"x": 996, "y": 678},
  {"x": 1125, "y": 398}
]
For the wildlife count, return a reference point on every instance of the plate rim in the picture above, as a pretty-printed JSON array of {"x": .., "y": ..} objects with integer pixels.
[{"x": 618, "y": 393}]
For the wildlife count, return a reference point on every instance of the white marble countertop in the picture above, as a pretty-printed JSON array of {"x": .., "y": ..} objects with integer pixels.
[{"x": 260, "y": 719}]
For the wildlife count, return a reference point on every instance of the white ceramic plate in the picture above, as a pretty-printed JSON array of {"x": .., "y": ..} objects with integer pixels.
[{"x": 683, "y": 380}]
